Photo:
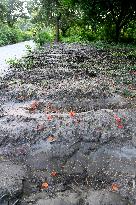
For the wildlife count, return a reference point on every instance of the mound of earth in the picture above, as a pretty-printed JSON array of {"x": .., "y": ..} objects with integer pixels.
[{"x": 67, "y": 132}]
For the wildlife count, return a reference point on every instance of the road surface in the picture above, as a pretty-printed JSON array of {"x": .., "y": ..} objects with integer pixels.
[{"x": 10, "y": 52}]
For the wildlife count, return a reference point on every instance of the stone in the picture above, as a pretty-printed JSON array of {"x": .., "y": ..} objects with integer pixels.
[
  {"x": 62, "y": 199},
  {"x": 105, "y": 197},
  {"x": 11, "y": 176}
]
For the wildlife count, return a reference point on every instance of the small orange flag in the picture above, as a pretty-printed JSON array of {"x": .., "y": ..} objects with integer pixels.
[
  {"x": 54, "y": 174},
  {"x": 51, "y": 139},
  {"x": 34, "y": 105},
  {"x": 72, "y": 113},
  {"x": 115, "y": 187},
  {"x": 49, "y": 117},
  {"x": 44, "y": 185}
]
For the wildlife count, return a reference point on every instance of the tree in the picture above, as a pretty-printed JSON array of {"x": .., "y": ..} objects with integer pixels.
[
  {"x": 58, "y": 13},
  {"x": 122, "y": 12},
  {"x": 12, "y": 10},
  {"x": 50, "y": 13},
  {"x": 118, "y": 12},
  {"x": 2, "y": 12}
]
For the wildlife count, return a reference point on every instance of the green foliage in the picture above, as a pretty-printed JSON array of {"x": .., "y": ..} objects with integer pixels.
[
  {"x": 71, "y": 39},
  {"x": 103, "y": 33},
  {"x": 114, "y": 14},
  {"x": 132, "y": 68},
  {"x": 13, "y": 62},
  {"x": 43, "y": 36},
  {"x": 68, "y": 21},
  {"x": 78, "y": 34},
  {"x": 22, "y": 64},
  {"x": 12, "y": 35},
  {"x": 112, "y": 46},
  {"x": 7, "y": 35},
  {"x": 29, "y": 49},
  {"x": 12, "y": 10},
  {"x": 128, "y": 94}
]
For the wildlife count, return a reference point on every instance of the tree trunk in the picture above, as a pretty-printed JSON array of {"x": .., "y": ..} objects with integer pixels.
[
  {"x": 94, "y": 28},
  {"x": 58, "y": 28},
  {"x": 117, "y": 34}
]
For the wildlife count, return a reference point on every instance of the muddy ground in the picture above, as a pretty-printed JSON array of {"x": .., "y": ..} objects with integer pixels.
[{"x": 68, "y": 128}]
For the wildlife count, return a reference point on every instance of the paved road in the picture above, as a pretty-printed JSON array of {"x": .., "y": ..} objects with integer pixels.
[{"x": 11, "y": 51}]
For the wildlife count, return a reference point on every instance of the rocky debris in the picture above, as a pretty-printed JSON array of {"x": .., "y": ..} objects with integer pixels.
[
  {"x": 11, "y": 181},
  {"x": 94, "y": 157},
  {"x": 66, "y": 197},
  {"x": 87, "y": 131},
  {"x": 71, "y": 199},
  {"x": 105, "y": 197},
  {"x": 91, "y": 197},
  {"x": 72, "y": 130}
]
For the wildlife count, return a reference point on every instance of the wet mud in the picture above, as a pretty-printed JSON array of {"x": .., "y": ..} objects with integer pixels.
[{"x": 67, "y": 132}]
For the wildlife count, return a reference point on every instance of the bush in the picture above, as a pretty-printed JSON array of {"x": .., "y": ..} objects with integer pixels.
[
  {"x": 78, "y": 34},
  {"x": 129, "y": 34},
  {"x": 71, "y": 39},
  {"x": 106, "y": 33},
  {"x": 12, "y": 35},
  {"x": 44, "y": 36}
]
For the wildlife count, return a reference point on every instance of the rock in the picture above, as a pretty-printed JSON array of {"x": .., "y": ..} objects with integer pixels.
[
  {"x": 11, "y": 176},
  {"x": 114, "y": 164},
  {"x": 105, "y": 197},
  {"x": 19, "y": 130},
  {"x": 62, "y": 199},
  {"x": 87, "y": 148},
  {"x": 98, "y": 197},
  {"x": 76, "y": 164},
  {"x": 53, "y": 202},
  {"x": 122, "y": 161}
]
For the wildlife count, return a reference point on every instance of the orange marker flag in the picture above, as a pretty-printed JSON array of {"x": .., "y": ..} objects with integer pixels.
[
  {"x": 72, "y": 113},
  {"x": 53, "y": 173},
  {"x": 114, "y": 187},
  {"x": 44, "y": 185}
]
